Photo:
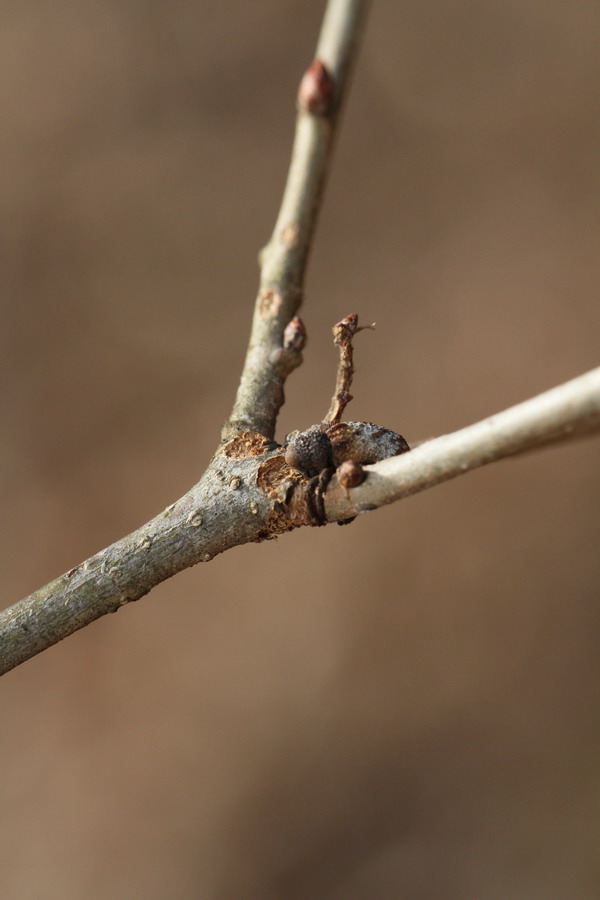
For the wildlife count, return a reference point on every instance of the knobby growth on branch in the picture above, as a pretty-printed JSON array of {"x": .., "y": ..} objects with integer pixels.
[{"x": 253, "y": 488}]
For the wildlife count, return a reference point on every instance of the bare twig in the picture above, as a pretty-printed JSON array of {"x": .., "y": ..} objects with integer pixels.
[
  {"x": 283, "y": 261},
  {"x": 343, "y": 333},
  {"x": 249, "y": 491},
  {"x": 567, "y": 412}
]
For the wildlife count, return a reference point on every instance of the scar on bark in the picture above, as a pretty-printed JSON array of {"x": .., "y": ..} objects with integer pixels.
[{"x": 248, "y": 443}]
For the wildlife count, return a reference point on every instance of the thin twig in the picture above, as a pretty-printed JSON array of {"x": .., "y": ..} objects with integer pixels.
[
  {"x": 570, "y": 411},
  {"x": 283, "y": 261},
  {"x": 343, "y": 334}
]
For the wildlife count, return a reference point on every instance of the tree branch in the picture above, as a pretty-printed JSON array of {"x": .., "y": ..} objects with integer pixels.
[
  {"x": 564, "y": 413},
  {"x": 222, "y": 510},
  {"x": 283, "y": 261},
  {"x": 250, "y": 491}
]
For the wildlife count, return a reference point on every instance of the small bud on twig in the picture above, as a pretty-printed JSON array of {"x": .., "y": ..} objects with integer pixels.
[
  {"x": 294, "y": 336},
  {"x": 315, "y": 94},
  {"x": 286, "y": 358},
  {"x": 350, "y": 474}
]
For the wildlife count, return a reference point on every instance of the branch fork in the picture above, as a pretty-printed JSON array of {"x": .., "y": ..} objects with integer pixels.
[{"x": 254, "y": 489}]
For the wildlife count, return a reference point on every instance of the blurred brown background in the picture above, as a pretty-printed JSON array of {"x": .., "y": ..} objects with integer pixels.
[{"x": 405, "y": 708}]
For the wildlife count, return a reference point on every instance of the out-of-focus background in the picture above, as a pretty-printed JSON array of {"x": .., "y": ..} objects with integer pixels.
[{"x": 404, "y": 708}]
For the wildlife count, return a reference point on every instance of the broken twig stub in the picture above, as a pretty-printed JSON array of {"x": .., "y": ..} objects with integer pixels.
[{"x": 343, "y": 334}]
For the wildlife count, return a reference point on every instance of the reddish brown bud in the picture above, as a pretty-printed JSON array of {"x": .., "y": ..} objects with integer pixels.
[
  {"x": 350, "y": 474},
  {"x": 315, "y": 93},
  {"x": 294, "y": 336}
]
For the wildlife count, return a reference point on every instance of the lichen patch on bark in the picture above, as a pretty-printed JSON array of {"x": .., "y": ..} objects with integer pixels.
[{"x": 364, "y": 442}]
